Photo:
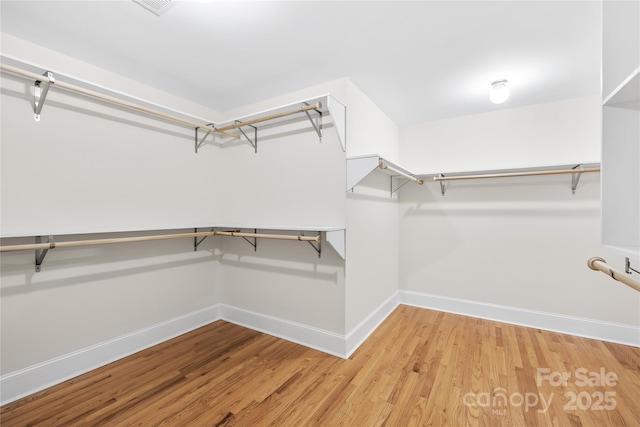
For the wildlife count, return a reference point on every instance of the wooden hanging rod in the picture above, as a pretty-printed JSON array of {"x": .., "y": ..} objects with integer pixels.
[
  {"x": 316, "y": 106},
  {"x": 55, "y": 245},
  {"x": 111, "y": 99},
  {"x": 600, "y": 264},
  {"x": 508, "y": 174},
  {"x": 418, "y": 181},
  {"x": 269, "y": 236}
]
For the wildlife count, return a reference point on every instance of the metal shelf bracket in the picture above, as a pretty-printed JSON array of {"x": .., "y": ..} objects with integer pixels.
[
  {"x": 404, "y": 182},
  {"x": 253, "y": 143},
  {"x": 196, "y": 241},
  {"x": 41, "y": 253},
  {"x": 198, "y": 144},
  {"x": 41, "y": 89},
  {"x": 627, "y": 267},
  {"x": 253, "y": 243},
  {"x": 575, "y": 177},
  {"x": 441, "y": 184},
  {"x": 317, "y": 125},
  {"x": 318, "y": 248},
  {"x": 255, "y": 239}
]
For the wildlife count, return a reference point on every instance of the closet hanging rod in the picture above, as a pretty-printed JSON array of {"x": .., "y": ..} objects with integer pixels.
[
  {"x": 76, "y": 243},
  {"x": 269, "y": 236},
  {"x": 316, "y": 106},
  {"x": 111, "y": 99},
  {"x": 600, "y": 264},
  {"x": 418, "y": 181},
  {"x": 509, "y": 174}
]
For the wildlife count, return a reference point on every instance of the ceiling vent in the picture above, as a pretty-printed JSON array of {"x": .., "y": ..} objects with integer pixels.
[{"x": 156, "y": 6}]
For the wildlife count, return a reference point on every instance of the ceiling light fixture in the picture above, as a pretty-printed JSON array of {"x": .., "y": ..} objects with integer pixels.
[{"x": 499, "y": 92}]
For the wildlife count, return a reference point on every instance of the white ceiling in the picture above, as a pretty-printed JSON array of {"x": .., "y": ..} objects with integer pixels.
[{"x": 418, "y": 61}]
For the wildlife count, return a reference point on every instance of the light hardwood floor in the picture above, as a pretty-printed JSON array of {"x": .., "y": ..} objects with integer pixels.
[{"x": 420, "y": 367}]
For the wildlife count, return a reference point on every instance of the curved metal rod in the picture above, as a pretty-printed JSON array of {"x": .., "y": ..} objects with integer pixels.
[{"x": 600, "y": 264}]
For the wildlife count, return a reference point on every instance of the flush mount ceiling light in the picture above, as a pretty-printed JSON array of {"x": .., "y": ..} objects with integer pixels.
[
  {"x": 499, "y": 92},
  {"x": 156, "y": 6}
]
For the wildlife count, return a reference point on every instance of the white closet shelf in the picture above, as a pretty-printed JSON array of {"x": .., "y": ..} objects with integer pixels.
[
  {"x": 575, "y": 169},
  {"x": 541, "y": 168},
  {"x": 313, "y": 108},
  {"x": 627, "y": 94},
  {"x": 278, "y": 227},
  {"x": 322, "y": 105},
  {"x": 335, "y": 236},
  {"x": 82, "y": 232},
  {"x": 359, "y": 167}
]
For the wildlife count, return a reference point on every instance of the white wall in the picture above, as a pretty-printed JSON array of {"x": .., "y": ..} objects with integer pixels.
[
  {"x": 83, "y": 297},
  {"x": 369, "y": 130},
  {"x": 562, "y": 132},
  {"x": 295, "y": 180},
  {"x": 89, "y": 167},
  {"x": 95, "y": 167},
  {"x": 372, "y": 248},
  {"x": 372, "y": 214},
  {"x": 292, "y": 181},
  {"x": 517, "y": 242}
]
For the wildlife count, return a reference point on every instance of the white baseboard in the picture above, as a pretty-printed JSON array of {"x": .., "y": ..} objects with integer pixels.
[
  {"x": 319, "y": 339},
  {"x": 24, "y": 382},
  {"x": 361, "y": 332},
  {"x": 30, "y": 380},
  {"x": 328, "y": 342},
  {"x": 581, "y": 327}
]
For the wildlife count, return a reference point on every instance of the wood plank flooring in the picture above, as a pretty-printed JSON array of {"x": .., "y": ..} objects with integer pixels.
[{"x": 420, "y": 367}]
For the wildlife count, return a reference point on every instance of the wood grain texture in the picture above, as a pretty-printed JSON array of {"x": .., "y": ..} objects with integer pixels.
[{"x": 420, "y": 367}]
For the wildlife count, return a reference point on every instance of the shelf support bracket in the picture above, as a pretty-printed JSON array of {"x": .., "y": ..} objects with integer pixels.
[
  {"x": 199, "y": 144},
  {"x": 41, "y": 89},
  {"x": 255, "y": 240},
  {"x": 41, "y": 253},
  {"x": 627, "y": 267},
  {"x": 253, "y": 143},
  {"x": 393, "y": 190},
  {"x": 317, "y": 125},
  {"x": 575, "y": 177},
  {"x": 441, "y": 184},
  {"x": 318, "y": 248},
  {"x": 196, "y": 241}
]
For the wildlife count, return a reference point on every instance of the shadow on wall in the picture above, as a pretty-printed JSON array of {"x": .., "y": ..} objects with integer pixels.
[
  {"x": 510, "y": 209},
  {"x": 311, "y": 273},
  {"x": 271, "y": 132},
  {"x": 73, "y": 266},
  {"x": 379, "y": 198},
  {"x": 184, "y": 136},
  {"x": 454, "y": 239},
  {"x": 499, "y": 197},
  {"x": 288, "y": 258}
]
